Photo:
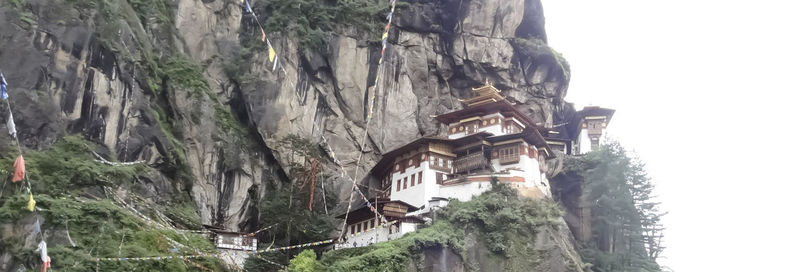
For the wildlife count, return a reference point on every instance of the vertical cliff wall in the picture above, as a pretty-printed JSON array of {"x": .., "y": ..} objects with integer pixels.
[
  {"x": 121, "y": 74},
  {"x": 184, "y": 86}
]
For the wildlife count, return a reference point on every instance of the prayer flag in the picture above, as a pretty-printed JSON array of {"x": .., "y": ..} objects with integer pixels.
[
  {"x": 263, "y": 35},
  {"x": 274, "y": 65},
  {"x": 247, "y": 5},
  {"x": 36, "y": 227},
  {"x": 19, "y": 169},
  {"x": 385, "y": 35},
  {"x": 12, "y": 129},
  {"x": 3, "y": 84},
  {"x": 271, "y": 54},
  {"x": 31, "y": 204},
  {"x": 42, "y": 249}
]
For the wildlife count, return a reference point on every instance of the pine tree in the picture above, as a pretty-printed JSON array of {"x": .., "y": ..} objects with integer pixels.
[{"x": 626, "y": 221}]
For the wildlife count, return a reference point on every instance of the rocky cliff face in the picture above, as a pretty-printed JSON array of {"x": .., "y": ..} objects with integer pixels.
[{"x": 167, "y": 82}]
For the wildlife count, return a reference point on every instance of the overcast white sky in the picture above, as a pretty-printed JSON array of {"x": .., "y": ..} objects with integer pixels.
[{"x": 706, "y": 93}]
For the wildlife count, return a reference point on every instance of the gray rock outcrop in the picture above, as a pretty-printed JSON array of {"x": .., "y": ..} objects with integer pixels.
[{"x": 73, "y": 70}]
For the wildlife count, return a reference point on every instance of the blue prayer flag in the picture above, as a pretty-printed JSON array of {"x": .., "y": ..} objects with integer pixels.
[
  {"x": 36, "y": 228},
  {"x": 247, "y": 5},
  {"x": 3, "y": 92}
]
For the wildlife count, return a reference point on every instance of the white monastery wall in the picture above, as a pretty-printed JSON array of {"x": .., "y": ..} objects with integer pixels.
[
  {"x": 464, "y": 191},
  {"x": 376, "y": 235},
  {"x": 418, "y": 194},
  {"x": 584, "y": 143}
]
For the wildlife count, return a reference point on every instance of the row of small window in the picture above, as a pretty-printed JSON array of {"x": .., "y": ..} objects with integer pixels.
[
  {"x": 474, "y": 128},
  {"x": 418, "y": 177},
  {"x": 431, "y": 159},
  {"x": 513, "y": 129},
  {"x": 475, "y": 125},
  {"x": 358, "y": 227}
]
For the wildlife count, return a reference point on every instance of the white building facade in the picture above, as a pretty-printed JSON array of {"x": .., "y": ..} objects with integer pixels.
[
  {"x": 487, "y": 142},
  {"x": 580, "y": 134}
]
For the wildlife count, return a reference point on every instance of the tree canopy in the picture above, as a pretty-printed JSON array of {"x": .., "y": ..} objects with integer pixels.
[{"x": 626, "y": 220}]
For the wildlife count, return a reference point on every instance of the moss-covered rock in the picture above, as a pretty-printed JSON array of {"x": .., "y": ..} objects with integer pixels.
[{"x": 99, "y": 229}]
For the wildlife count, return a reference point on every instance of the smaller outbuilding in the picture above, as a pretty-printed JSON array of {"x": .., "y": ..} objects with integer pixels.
[{"x": 224, "y": 239}]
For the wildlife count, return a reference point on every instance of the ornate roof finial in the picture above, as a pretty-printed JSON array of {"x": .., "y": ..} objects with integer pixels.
[{"x": 484, "y": 94}]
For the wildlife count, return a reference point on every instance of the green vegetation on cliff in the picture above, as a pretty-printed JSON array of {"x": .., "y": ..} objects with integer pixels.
[
  {"x": 68, "y": 186},
  {"x": 99, "y": 228},
  {"x": 285, "y": 207},
  {"x": 69, "y": 165},
  {"x": 501, "y": 220},
  {"x": 310, "y": 19},
  {"x": 626, "y": 228}
]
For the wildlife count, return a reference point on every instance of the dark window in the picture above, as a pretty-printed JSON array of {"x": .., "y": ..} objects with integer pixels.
[
  {"x": 358, "y": 227},
  {"x": 352, "y": 229},
  {"x": 419, "y": 178},
  {"x": 439, "y": 178},
  {"x": 398, "y": 185},
  {"x": 371, "y": 223},
  {"x": 405, "y": 182},
  {"x": 412, "y": 179}
]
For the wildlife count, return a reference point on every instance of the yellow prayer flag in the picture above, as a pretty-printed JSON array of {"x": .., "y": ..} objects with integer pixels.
[
  {"x": 271, "y": 53},
  {"x": 31, "y": 202},
  {"x": 385, "y": 35}
]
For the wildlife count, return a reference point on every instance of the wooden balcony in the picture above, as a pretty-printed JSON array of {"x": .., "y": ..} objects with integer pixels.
[{"x": 470, "y": 162}]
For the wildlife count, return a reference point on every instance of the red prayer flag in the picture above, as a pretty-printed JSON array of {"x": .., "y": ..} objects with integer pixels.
[
  {"x": 263, "y": 35},
  {"x": 19, "y": 169}
]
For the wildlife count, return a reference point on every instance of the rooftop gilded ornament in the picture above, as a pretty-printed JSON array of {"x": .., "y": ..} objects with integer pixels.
[{"x": 484, "y": 94}]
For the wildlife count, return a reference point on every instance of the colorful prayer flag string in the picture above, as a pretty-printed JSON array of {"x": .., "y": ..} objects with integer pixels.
[
  {"x": 371, "y": 104},
  {"x": 271, "y": 51},
  {"x": 158, "y": 258},
  {"x": 335, "y": 160},
  {"x": 212, "y": 255},
  {"x": 296, "y": 246},
  {"x": 19, "y": 162}
]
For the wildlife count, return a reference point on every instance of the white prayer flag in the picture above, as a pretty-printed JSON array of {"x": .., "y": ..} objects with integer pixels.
[{"x": 12, "y": 129}]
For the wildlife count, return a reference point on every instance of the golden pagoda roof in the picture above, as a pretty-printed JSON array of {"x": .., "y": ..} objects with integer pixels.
[{"x": 484, "y": 94}]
